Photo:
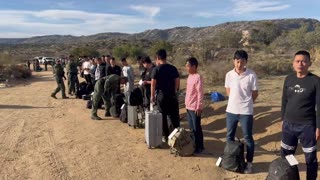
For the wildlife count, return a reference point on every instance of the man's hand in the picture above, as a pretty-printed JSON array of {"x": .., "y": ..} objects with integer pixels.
[
  {"x": 153, "y": 99},
  {"x": 317, "y": 134},
  {"x": 198, "y": 112}
]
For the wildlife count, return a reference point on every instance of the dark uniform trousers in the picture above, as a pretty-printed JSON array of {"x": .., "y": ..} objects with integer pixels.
[
  {"x": 60, "y": 87},
  {"x": 73, "y": 83},
  {"x": 291, "y": 133}
]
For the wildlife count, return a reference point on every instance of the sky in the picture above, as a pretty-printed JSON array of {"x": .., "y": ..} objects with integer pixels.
[{"x": 28, "y": 18}]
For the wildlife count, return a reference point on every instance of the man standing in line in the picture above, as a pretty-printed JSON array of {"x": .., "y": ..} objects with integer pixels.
[
  {"x": 165, "y": 83},
  {"x": 300, "y": 112},
  {"x": 59, "y": 74},
  {"x": 113, "y": 68},
  {"x": 127, "y": 71},
  {"x": 72, "y": 72},
  {"x": 86, "y": 65},
  {"x": 242, "y": 88},
  {"x": 146, "y": 79},
  {"x": 105, "y": 88},
  {"x": 194, "y": 101}
]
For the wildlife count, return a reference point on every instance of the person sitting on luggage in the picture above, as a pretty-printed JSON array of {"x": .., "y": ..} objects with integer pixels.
[
  {"x": 106, "y": 88},
  {"x": 146, "y": 79}
]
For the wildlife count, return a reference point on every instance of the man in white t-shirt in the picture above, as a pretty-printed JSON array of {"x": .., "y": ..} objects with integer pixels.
[
  {"x": 242, "y": 88},
  {"x": 127, "y": 71},
  {"x": 86, "y": 66}
]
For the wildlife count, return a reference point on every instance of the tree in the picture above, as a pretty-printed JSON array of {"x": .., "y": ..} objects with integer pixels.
[
  {"x": 161, "y": 45},
  {"x": 266, "y": 34},
  {"x": 127, "y": 50},
  {"x": 229, "y": 39},
  {"x": 85, "y": 51}
]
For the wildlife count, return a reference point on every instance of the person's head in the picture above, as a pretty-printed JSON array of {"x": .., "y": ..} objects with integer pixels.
[
  {"x": 107, "y": 59},
  {"x": 98, "y": 60},
  {"x": 192, "y": 65},
  {"x": 58, "y": 61},
  {"x": 123, "y": 80},
  {"x": 146, "y": 62},
  {"x": 240, "y": 60},
  {"x": 92, "y": 61},
  {"x": 124, "y": 61},
  {"x": 71, "y": 57},
  {"x": 161, "y": 55},
  {"x": 113, "y": 62},
  {"x": 301, "y": 62}
]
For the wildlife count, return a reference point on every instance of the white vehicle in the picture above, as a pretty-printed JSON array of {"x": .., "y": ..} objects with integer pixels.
[{"x": 48, "y": 59}]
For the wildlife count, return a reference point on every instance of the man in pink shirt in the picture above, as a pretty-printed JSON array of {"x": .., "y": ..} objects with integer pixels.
[{"x": 193, "y": 102}]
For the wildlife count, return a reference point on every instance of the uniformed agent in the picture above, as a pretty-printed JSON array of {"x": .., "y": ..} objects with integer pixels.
[
  {"x": 106, "y": 88},
  {"x": 72, "y": 72},
  {"x": 59, "y": 74}
]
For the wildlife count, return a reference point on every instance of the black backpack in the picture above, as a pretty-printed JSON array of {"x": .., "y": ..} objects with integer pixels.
[
  {"x": 82, "y": 90},
  {"x": 280, "y": 169},
  {"x": 136, "y": 97},
  {"x": 124, "y": 114},
  {"x": 233, "y": 157}
]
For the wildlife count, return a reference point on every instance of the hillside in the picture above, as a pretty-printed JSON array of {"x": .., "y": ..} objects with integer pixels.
[{"x": 177, "y": 34}]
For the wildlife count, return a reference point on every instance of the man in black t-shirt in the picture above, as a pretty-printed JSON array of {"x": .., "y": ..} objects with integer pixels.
[
  {"x": 114, "y": 68},
  {"x": 146, "y": 79},
  {"x": 165, "y": 83},
  {"x": 300, "y": 101}
]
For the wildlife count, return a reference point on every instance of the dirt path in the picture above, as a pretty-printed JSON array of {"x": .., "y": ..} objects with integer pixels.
[{"x": 44, "y": 138}]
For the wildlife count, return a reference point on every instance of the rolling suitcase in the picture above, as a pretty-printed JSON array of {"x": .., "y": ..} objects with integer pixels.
[
  {"x": 153, "y": 128},
  {"x": 132, "y": 116}
]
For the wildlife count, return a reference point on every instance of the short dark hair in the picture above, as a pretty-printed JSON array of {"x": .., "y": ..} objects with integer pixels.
[
  {"x": 241, "y": 54},
  {"x": 162, "y": 54},
  {"x": 192, "y": 61},
  {"x": 304, "y": 53},
  {"x": 139, "y": 58},
  {"x": 113, "y": 58},
  {"x": 123, "y": 59},
  {"x": 108, "y": 56},
  {"x": 146, "y": 60}
]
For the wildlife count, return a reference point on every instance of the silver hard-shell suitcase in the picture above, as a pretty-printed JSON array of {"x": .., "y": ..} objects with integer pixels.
[
  {"x": 132, "y": 116},
  {"x": 153, "y": 128}
]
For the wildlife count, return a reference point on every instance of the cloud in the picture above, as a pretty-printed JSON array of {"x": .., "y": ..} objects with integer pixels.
[
  {"x": 209, "y": 14},
  {"x": 249, "y": 6},
  {"x": 66, "y": 4},
  {"x": 74, "y": 22},
  {"x": 147, "y": 10}
]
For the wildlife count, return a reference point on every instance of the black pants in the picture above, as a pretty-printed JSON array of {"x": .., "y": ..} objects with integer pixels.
[
  {"x": 87, "y": 77},
  {"x": 169, "y": 107},
  {"x": 291, "y": 133}
]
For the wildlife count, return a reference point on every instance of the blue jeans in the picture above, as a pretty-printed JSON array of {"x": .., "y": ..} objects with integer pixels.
[
  {"x": 291, "y": 133},
  {"x": 246, "y": 122},
  {"x": 195, "y": 126}
]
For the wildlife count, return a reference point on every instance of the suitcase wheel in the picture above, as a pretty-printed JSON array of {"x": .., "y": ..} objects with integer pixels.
[{"x": 134, "y": 126}]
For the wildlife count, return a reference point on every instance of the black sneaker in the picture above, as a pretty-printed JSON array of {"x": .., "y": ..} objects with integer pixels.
[
  {"x": 53, "y": 96},
  {"x": 96, "y": 118},
  {"x": 65, "y": 97}
]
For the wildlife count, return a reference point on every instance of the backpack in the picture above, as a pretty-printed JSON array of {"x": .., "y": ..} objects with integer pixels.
[
  {"x": 233, "y": 157},
  {"x": 82, "y": 90},
  {"x": 136, "y": 97},
  {"x": 124, "y": 114},
  {"x": 181, "y": 142},
  {"x": 280, "y": 169},
  {"x": 216, "y": 97}
]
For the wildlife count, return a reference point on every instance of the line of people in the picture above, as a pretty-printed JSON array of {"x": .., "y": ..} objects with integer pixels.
[{"x": 161, "y": 80}]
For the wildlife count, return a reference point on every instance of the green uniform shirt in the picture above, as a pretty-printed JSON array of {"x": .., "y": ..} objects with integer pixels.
[
  {"x": 58, "y": 70},
  {"x": 112, "y": 83},
  {"x": 72, "y": 68}
]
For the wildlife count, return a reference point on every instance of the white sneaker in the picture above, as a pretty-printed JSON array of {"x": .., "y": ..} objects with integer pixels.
[{"x": 248, "y": 169}]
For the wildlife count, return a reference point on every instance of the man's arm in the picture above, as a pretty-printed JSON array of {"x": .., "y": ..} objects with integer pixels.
[
  {"x": 228, "y": 91},
  {"x": 254, "y": 95},
  {"x": 318, "y": 111},
  {"x": 153, "y": 89},
  {"x": 177, "y": 84}
]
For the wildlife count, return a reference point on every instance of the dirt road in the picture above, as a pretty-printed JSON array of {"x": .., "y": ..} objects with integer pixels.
[{"x": 44, "y": 138}]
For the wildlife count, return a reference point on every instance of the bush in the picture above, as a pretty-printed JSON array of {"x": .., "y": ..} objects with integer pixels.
[{"x": 14, "y": 70}]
